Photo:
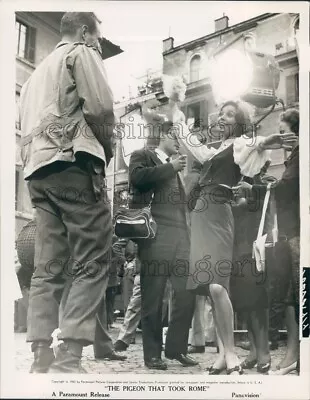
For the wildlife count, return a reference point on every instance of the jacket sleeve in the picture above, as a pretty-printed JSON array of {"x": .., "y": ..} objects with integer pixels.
[
  {"x": 287, "y": 188},
  {"x": 144, "y": 177},
  {"x": 94, "y": 94}
]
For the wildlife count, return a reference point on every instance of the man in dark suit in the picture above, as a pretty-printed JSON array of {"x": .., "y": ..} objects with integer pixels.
[{"x": 166, "y": 256}]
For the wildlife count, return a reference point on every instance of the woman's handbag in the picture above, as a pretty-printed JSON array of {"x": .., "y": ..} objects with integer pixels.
[
  {"x": 135, "y": 223},
  {"x": 260, "y": 244}
]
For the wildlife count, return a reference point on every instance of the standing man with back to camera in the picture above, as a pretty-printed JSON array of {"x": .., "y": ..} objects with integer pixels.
[{"x": 66, "y": 113}]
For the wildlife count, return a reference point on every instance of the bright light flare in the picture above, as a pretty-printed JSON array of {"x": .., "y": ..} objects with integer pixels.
[{"x": 231, "y": 75}]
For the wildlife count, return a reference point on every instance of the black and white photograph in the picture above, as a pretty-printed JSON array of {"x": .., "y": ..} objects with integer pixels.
[{"x": 159, "y": 165}]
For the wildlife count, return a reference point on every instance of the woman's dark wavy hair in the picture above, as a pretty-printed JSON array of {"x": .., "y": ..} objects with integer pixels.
[
  {"x": 244, "y": 122},
  {"x": 291, "y": 117}
]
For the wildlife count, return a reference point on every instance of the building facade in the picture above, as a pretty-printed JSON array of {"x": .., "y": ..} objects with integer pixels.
[{"x": 274, "y": 34}]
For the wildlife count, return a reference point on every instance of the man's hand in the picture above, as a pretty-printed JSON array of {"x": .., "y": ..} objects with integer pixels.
[
  {"x": 179, "y": 163},
  {"x": 277, "y": 141}
]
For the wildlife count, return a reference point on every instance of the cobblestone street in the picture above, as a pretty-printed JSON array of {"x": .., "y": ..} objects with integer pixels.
[{"x": 134, "y": 362}]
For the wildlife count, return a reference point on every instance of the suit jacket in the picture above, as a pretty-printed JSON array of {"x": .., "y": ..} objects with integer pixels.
[{"x": 148, "y": 176}]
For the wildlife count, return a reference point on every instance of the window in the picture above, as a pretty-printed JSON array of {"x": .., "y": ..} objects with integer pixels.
[
  {"x": 25, "y": 41},
  {"x": 17, "y": 121},
  {"x": 292, "y": 89},
  {"x": 17, "y": 172},
  {"x": 21, "y": 34},
  {"x": 197, "y": 114},
  {"x": 193, "y": 115},
  {"x": 195, "y": 68}
]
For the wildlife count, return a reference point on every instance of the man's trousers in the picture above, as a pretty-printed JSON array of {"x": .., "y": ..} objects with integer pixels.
[
  {"x": 165, "y": 257},
  {"x": 133, "y": 314},
  {"x": 72, "y": 253},
  {"x": 103, "y": 344},
  {"x": 128, "y": 284}
]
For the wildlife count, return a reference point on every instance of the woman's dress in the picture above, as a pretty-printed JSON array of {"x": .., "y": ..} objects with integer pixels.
[{"x": 212, "y": 222}]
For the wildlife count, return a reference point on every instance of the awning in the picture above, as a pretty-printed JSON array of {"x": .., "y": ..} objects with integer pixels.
[{"x": 109, "y": 49}]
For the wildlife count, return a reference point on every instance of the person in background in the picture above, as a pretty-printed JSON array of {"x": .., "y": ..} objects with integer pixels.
[
  {"x": 117, "y": 263},
  {"x": 132, "y": 309},
  {"x": 65, "y": 170},
  {"x": 286, "y": 192},
  {"x": 128, "y": 272},
  {"x": 132, "y": 316},
  {"x": 203, "y": 330},
  {"x": 288, "y": 206},
  {"x": 103, "y": 345},
  {"x": 249, "y": 288}
]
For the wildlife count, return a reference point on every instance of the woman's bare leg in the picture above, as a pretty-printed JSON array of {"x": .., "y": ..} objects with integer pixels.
[
  {"x": 220, "y": 362},
  {"x": 224, "y": 320},
  {"x": 292, "y": 350}
]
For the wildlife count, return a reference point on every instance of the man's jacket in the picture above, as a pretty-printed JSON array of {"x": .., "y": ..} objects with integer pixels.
[
  {"x": 66, "y": 106},
  {"x": 148, "y": 176}
]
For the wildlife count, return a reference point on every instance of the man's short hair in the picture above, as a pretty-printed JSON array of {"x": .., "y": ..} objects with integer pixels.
[
  {"x": 159, "y": 131},
  {"x": 72, "y": 21},
  {"x": 166, "y": 127}
]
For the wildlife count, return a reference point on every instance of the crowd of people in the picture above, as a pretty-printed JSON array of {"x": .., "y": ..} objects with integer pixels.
[{"x": 201, "y": 256}]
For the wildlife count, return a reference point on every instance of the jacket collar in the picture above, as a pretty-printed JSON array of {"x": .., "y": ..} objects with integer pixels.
[
  {"x": 154, "y": 157},
  {"x": 161, "y": 155},
  {"x": 64, "y": 42}
]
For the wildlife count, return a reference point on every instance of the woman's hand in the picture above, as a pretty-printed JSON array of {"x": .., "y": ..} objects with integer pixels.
[
  {"x": 277, "y": 141},
  {"x": 241, "y": 193},
  {"x": 242, "y": 189}
]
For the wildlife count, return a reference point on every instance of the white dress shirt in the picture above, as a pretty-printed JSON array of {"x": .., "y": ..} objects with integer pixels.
[{"x": 161, "y": 155}]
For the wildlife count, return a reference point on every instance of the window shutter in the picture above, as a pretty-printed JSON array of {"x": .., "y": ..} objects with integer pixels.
[
  {"x": 17, "y": 183},
  {"x": 297, "y": 86},
  {"x": 290, "y": 89},
  {"x": 184, "y": 111},
  {"x": 204, "y": 113},
  {"x": 31, "y": 43}
]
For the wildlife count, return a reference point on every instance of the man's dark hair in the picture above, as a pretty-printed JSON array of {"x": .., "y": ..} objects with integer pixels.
[
  {"x": 291, "y": 117},
  {"x": 159, "y": 131},
  {"x": 166, "y": 126},
  {"x": 72, "y": 21}
]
